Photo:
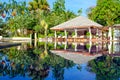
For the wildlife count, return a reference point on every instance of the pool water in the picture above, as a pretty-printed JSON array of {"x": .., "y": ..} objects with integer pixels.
[{"x": 61, "y": 61}]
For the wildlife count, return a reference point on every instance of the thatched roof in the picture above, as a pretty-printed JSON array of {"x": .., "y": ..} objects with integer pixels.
[{"x": 78, "y": 22}]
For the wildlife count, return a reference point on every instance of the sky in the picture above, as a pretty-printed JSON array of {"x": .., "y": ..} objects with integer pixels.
[
  {"x": 75, "y": 5},
  {"x": 72, "y": 5}
]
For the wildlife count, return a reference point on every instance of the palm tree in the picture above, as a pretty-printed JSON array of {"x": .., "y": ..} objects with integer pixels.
[
  {"x": 45, "y": 26},
  {"x": 38, "y": 4},
  {"x": 12, "y": 8},
  {"x": 39, "y": 9}
]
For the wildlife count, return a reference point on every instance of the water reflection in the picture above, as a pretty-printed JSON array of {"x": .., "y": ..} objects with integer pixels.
[
  {"x": 106, "y": 68},
  {"x": 61, "y": 61},
  {"x": 32, "y": 62},
  {"x": 90, "y": 47}
]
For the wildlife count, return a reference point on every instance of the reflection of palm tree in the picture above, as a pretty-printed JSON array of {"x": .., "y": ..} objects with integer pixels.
[
  {"x": 15, "y": 67},
  {"x": 26, "y": 61},
  {"x": 45, "y": 53}
]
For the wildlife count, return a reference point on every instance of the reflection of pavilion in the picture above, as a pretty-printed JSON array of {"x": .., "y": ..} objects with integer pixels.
[
  {"x": 83, "y": 52},
  {"x": 80, "y": 52},
  {"x": 76, "y": 57},
  {"x": 114, "y": 49},
  {"x": 83, "y": 47}
]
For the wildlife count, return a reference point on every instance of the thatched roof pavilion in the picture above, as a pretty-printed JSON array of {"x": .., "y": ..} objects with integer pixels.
[{"x": 78, "y": 22}]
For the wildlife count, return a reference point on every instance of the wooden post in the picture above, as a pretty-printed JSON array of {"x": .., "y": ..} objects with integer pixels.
[
  {"x": 65, "y": 34},
  {"x": 35, "y": 40},
  {"x": 35, "y": 43},
  {"x": 65, "y": 47},
  {"x": 97, "y": 34},
  {"x": 75, "y": 33},
  {"x": 110, "y": 33},
  {"x": 90, "y": 38},
  {"x": 75, "y": 46},
  {"x": 90, "y": 43},
  {"x": 55, "y": 45},
  {"x": 30, "y": 39},
  {"x": 35, "y": 36},
  {"x": 55, "y": 34},
  {"x": 110, "y": 47}
]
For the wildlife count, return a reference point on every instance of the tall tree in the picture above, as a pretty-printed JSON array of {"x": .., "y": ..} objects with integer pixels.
[
  {"x": 36, "y": 5},
  {"x": 21, "y": 22},
  {"x": 106, "y": 12},
  {"x": 59, "y": 6},
  {"x": 39, "y": 8},
  {"x": 59, "y": 14},
  {"x": 2, "y": 28},
  {"x": 12, "y": 8}
]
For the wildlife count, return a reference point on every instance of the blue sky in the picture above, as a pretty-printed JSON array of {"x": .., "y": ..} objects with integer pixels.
[
  {"x": 75, "y": 5},
  {"x": 72, "y": 5}
]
